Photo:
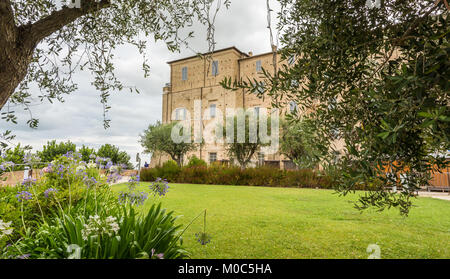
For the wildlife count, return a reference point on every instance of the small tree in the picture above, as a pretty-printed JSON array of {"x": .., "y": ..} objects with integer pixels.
[
  {"x": 43, "y": 43},
  {"x": 117, "y": 157},
  {"x": 157, "y": 138},
  {"x": 52, "y": 150},
  {"x": 244, "y": 150},
  {"x": 374, "y": 77},
  {"x": 86, "y": 153},
  {"x": 16, "y": 156},
  {"x": 297, "y": 142}
]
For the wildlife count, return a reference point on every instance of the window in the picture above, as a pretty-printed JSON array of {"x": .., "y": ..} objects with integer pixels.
[
  {"x": 261, "y": 158},
  {"x": 184, "y": 73},
  {"x": 258, "y": 66},
  {"x": 292, "y": 106},
  {"x": 180, "y": 114},
  {"x": 212, "y": 110},
  {"x": 212, "y": 157},
  {"x": 215, "y": 68}
]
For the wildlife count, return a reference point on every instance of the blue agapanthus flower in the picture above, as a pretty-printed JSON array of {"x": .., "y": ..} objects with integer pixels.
[
  {"x": 50, "y": 191},
  {"x": 24, "y": 196},
  {"x": 160, "y": 187}
]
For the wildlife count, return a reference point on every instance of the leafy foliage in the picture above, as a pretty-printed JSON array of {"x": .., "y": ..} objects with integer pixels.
[
  {"x": 87, "y": 153},
  {"x": 15, "y": 156},
  {"x": 244, "y": 149},
  {"x": 138, "y": 236},
  {"x": 71, "y": 212},
  {"x": 117, "y": 157},
  {"x": 298, "y": 144},
  {"x": 194, "y": 161},
  {"x": 374, "y": 79},
  {"x": 53, "y": 150},
  {"x": 260, "y": 176},
  {"x": 63, "y": 40},
  {"x": 157, "y": 138}
]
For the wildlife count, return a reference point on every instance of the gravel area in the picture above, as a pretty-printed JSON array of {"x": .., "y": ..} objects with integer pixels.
[{"x": 436, "y": 195}]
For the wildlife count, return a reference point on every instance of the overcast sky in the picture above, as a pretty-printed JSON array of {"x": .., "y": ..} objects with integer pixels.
[{"x": 79, "y": 118}]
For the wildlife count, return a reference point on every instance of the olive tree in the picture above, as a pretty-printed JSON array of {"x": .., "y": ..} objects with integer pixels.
[
  {"x": 158, "y": 138},
  {"x": 43, "y": 43},
  {"x": 374, "y": 77}
]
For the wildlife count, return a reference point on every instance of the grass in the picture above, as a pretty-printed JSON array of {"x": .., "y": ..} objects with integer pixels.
[{"x": 260, "y": 222}]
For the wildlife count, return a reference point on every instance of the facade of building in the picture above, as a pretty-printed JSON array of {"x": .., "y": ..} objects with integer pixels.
[{"x": 196, "y": 78}]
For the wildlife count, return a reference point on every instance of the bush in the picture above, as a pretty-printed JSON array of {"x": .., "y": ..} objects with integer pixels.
[
  {"x": 52, "y": 150},
  {"x": 72, "y": 212},
  {"x": 149, "y": 174},
  {"x": 121, "y": 234},
  {"x": 60, "y": 186},
  {"x": 194, "y": 161},
  {"x": 219, "y": 174},
  {"x": 117, "y": 157},
  {"x": 169, "y": 170},
  {"x": 87, "y": 153},
  {"x": 14, "y": 158}
]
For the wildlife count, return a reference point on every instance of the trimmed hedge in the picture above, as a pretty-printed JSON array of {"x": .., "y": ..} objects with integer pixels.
[{"x": 231, "y": 175}]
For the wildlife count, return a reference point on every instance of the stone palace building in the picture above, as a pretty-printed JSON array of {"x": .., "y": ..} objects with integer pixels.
[{"x": 196, "y": 78}]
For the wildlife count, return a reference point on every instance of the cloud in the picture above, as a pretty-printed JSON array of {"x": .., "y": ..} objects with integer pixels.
[{"x": 79, "y": 118}]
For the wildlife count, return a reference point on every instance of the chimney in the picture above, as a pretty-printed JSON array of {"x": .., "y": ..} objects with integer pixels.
[{"x": 250, "y": 53}]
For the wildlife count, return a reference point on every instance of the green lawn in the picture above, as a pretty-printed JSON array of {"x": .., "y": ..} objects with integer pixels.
[{"x": 261, "y": 222}]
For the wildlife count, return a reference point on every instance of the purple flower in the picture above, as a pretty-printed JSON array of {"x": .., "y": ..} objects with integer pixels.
[
  {"x": 203, "y": 238},
  {"x": 28, "y": 182},
  {"x": 24, "y": 196},
  {"x": 89, "y": 181},
  {"x": 5, "y": 165},
  {"x": 61, "y": 170},
  {"x": 108, "y": 165},
  {"x": 113, "y": 177},
  {"x": 135, "y": 198},
  {"x": 49, "y": 191},
  {"x": 158, "y": 256},
  {"x": 160, "y": 187},
  {"x": 134, "y": 178}
]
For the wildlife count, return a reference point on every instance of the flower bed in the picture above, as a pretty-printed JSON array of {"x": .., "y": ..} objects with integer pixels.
[{"x": 71, "y": 212}]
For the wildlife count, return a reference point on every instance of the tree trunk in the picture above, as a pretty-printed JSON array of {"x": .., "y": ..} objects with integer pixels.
[
  {"x": 13, "y": 69},
  {"x": 17, "y": 43}
]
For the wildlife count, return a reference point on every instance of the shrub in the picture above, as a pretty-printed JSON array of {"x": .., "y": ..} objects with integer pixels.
[
  {"x": 194, "y": 161},
  {"x": 123, "y": 234},
  {"x": 220, "y": 174},
  {"x": 87, "y": 153},
  {"x": 193, "y": 175},
  {"x": 52, "y": 150},
  {"x": 14, "y": 158},
  {"x": 115, "y": 155},
  {"x": 149, "y": 174},
  {"x": 72, "y": 213},
  {"x": 61, "y": 185}
]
